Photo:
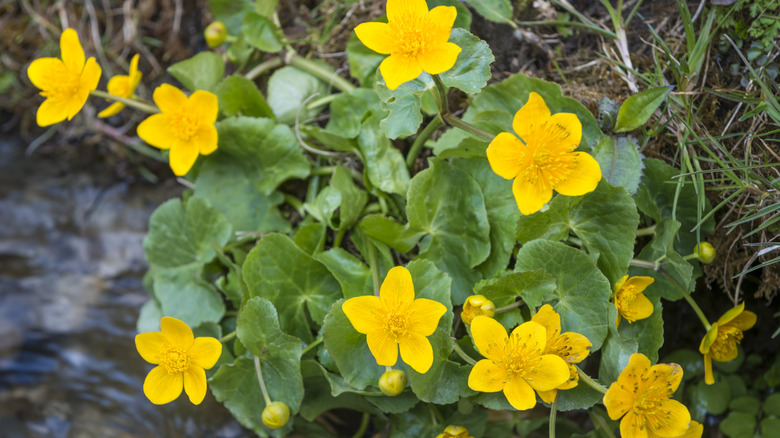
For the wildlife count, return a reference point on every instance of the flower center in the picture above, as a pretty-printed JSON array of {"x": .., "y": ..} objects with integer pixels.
[
  {"x": 726, "y": 341},
  {"x": 185, "y": 125},
  {"x": 395, "y": 323},
  {"x": 651, "y": 391},
  {"x": 520, "y": 357},
  {"x": 65, "y": 86},
  {"x": 175, "y": 360},
  {"x": 625, "y": 301},
  {"x": 412, "y": 34}
]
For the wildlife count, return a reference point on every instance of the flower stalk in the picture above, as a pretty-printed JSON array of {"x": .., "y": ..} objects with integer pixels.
[
  {"x": 590, "y": 382},
  {"x": 419, "y": 142},
  {"x": 140, "y": 105},
  {"x": 260, "y": 380},
  {"x": 462, "y": 353}
]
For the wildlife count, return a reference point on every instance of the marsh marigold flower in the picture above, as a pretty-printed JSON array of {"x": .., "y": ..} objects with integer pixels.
[
  {"x": 571, "y": 347},
  {"x": 545, "y": 159},
  {"x": 395, "y": 320},
  {"x": 455, "y": 432},
  {"x": 720, "y": 342},
  {"x": 181, "y": 360},
  {"x": 185, "y": 125},
  {"x": 642, "y": 395},
  {"x": 64, "y": 83},
  {"x": 415, "y": 38},
  {"x": 122, "y": 86},
  {"x": 476, "y": 305},
  {"x": 629, "y": 300},
  {"x": 515, "y": 364}
]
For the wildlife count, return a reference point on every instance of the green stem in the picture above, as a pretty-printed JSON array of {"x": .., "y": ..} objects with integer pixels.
[
  {"x": 137, "y": 104},
  {"x": 319, "y": 71},
  {"x": 644, "y": 264},
  {"x": 445, "y": 104},
  {"x": 261, "y": 381},
  {"x": 374, "y": 265},
  {"x": 419, "y": 142},
  {"x": 294, "y": 202},
  {"x": 322, "y": 101},
  {"x": 339, "y": 237},
  {"x": 458, "y": 123},
  {"x": 363, "y": 426},
  {"x": 325, "y": 170},
  {"x": 308, "y": 348},
  {"x": 228, "y": 337},
  {"x": 689, "y": 299},
  {"x": 514, "y": 305},
  {"x": 462, "y": 353},
  {"x": 263, "y": 67},
  {"x": 649, "y": 231},
  {"x": 691, "y": 256},
  {"x": 553, "y": 413},
  {"x": 590, "y": 382}
]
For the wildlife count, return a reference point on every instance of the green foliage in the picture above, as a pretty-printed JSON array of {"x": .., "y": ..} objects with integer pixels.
[
  {"x": 499, "y": 11},
  {"x": 201, "y": 72},
  {"x": 637, "y": 109},
  {"x": 620, "y": 161},
  {"x": 238, "y": 96},
  {"x": 288, "y": 88},
  {"x": 260, "y": 32}
]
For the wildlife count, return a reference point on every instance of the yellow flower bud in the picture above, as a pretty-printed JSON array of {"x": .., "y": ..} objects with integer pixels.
[
  {"x": 392, "y": 382},
  {"x": 215, "y": 34},
  {"x": 477, "y": 305},
  {"x": 275, "y": 415},
  {"x": 704, "y": 252},
  {"x": 454, "y": 432}
]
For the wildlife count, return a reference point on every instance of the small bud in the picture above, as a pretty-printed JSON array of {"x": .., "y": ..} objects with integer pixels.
[
  {"x": 215, "y": 34},
  {"x": 275, "y": 415},
  {"x": 455, "y": 432},
  {"x": 477, "y": 305},
  {"x": 704, "y": 252},
  {"x": 392, "y": 382}
]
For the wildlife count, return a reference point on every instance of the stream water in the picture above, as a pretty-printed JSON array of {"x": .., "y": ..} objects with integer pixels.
[{"x": 71, "y": 265}]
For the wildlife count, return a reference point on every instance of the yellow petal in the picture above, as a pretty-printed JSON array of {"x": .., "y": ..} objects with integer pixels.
[
  {"x": 119, "y": 86},
  {"x": 549, "y": 319},
  {"x": 177, "y": 332},
  {"x": 71, "y": 50},
  {"x": 205, "y": 352},
  {"x": 405, "y": 10},
  {"x": 487, "y": 331},
  {"x": 204, "y": 106},
  {"x": 206, "y": 139},
  {"x": 156, "y": 130},
  {"x": 744, "y": 321},
  {"x": 532, "y": 334},
  {"x": 378, "y": 37},
  {"x": 439, "y": 58},
  {"x": 671, "y": 420},
  {"x": 633, "y": 426},
  {"x": 565, "y": 131},
  {"x": 548, "y": 396},
  {"x": 133, "y": 72},
  {"x": 424, "y": 315},
  {"x": 505, "y": 155},
  {"x": 397, "y": 69},
  {"x": 416, "y": 351},
  {"x": 616, "y": 288},
  {"x": 582, "y": 178},
  {"x": 364, "y": 313},
  {"x": 641, "y": 308},
  {"x": 709, "y": 338},
  {"x": 150, "y": 346},
  {"x": 640, "y": 282},
  {"x": 519, "y": 394},
  {"x": 442, "y": 18},
  {"x": 618, "y": 401},
  {"x": 45, "y": 73},
  {"x": 112, "y": 110},
  {"x": 665, "y": 374},
  {"x": 731, "y": 314},
  {"x": 51, "y": 111},
  {"x": 161, "y": 387},
  {"x": 169, "y": 98},
  {"x": 530, "y": 117},
  {"x": 397, "y": 290},
  {"x": 574, "y": 347},
  {"x": 708, "y": 377},
  {"x": 195, "y": 384},
  {"x": 548, "y": 372},
  {"x": 383, "y": 347},
  {"x": 531, "y": 195},
  {"x": 638, "y": 365},
  {"x": 90, "y": 76},
  {"x": 695, "y": 430},
  {"x": 725, "y": 351},
  {"x": 486, "y": 376},
  {"x": 182, "y": 157}
]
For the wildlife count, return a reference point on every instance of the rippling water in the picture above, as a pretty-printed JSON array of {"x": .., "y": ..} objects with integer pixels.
[{"x": 71, "y": 265}]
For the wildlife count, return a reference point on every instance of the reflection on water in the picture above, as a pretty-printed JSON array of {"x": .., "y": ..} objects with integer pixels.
[{"x": 71, "y": 263}]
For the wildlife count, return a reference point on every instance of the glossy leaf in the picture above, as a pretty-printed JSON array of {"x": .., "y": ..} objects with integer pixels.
[
  {"x": 620, "y": 161},
  {"x": 472, "y": 69},
  {"x": 637, "y": 109},
  {"x": 383, "y": 229},
  {"x": 446, "y": 381},
  {"x": 288, "y": 88},
  {"x": 238, "y": 96},
  {"x": 201, "y": 72},
  {"x": 645, "y": 336},
  {"x": 353, "y": 276},
  {"x": 261, "y": 33},
  {"x": 498, "y": 11},
  {"x": 530, "y": 286},
  {"x": 385, "y": 167}
]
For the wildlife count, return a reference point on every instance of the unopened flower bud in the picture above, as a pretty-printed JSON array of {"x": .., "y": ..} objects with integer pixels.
[
  {"x": 477, "y": 305},
  {"x": 215, "y": 34},
  {"x": 275, "y": 415},
  {"x": 704, "y": 252},
  {"x": 454, "y": 432},
  {"x": 392, "y": 382}
]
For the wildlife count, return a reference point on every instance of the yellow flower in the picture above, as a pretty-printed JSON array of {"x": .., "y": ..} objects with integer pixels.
[
  {"x": 476, "y": 305},
  {"x": 571, "y": 347},
  {"x": 515, "y": 364},
  {"x": 544, "y": 160},
  {"x": 629, "y": 300},
  {"x": 720, "y": 342},
  {"x": 122, "y": 86},
  {"x": 695, "y": 430},
  {"x": 181, "y": 360},
  {"x": 185, "y": 126},
  {"x": 396, "y": 320},
  {"x": 414, "y": 37},
  {"x": 64, "y": 83},
  {"x": 643, "y": 393},
  {"x": 455, "y": 432}
]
